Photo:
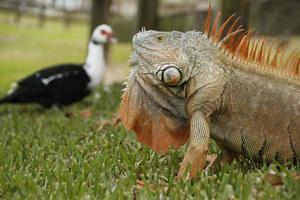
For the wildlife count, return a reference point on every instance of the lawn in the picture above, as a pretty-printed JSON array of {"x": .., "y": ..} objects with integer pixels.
[{"x": 60, "y": 154}]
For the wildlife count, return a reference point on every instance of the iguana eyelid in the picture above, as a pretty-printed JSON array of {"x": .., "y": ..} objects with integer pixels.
[{"x": 166, "y": 65}]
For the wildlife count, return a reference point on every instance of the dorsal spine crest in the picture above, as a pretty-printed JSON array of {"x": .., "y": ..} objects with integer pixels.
[{"x": 245, "y": 47}]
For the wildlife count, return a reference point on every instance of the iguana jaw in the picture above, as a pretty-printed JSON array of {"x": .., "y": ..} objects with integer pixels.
[{"x": 154, "y": 125}]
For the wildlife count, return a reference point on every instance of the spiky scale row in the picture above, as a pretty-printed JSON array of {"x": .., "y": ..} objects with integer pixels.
[{"x": 242, "y": 45}]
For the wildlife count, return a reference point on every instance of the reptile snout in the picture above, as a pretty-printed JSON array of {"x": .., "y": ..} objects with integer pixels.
[
  {"x": 143, "y": 38},
  {"x": 137, "y": 38}
]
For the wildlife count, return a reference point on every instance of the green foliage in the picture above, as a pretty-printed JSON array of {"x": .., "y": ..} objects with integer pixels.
[
  {"x": 59, "y": 154},
  {"x": 48, "y": 154}
]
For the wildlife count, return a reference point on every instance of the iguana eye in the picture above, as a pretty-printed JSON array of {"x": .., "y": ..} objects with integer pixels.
[
  {"x": 169, "y": 74},
  {"x": 160, "y": 38}
]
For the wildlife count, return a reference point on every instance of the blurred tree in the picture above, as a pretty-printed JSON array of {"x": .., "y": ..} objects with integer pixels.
[
  {"x": 240, "y": 7},
  {"x": 18, "y": 11},
  {"x": 41, "y": 15},
  {"x": 67, "y": 15},
  {"x": 147, "y": 14},
  {"x": 100, "y": 15}
]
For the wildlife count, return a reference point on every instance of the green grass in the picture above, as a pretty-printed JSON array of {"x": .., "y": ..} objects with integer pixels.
[{"x": 59, "y": 154}]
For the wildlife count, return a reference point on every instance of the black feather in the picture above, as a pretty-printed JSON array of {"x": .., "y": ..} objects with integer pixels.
[{"x": 55, "y": 85}]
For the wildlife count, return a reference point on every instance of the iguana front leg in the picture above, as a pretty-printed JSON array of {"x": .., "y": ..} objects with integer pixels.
[{"x": 195, "y": 157}]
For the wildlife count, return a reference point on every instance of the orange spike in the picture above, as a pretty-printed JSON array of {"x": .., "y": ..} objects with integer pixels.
[
  {"x": 231, "y": 29},
  {"x": 252, "y": 43},
  {"x": 229, "y": 36},
  {"x": 293, "y": 66},
  {"x": 295, "y": 62},
  {"x": 292, "y": 56},
  {"x": 261, "y": 50},
  {"x": 269, "y": 53},
  {"x": 263, "y": 56},
  {"x": 291, "y": 61},
  {"x": 239, "y": 48},
  {"x": 247, "y": 44},
  {"x": 237, "y": 42},
  {"x": 242, "y": 45},
  {"x": 290, "y": 68},
  {"x": 257, "y": 57},
  {"x": 233, "y": 39},
  {"x": 251, "y": 48},
  {"x": 253, "y": 56},
  {"x": 207, "y": 22},
  {"x": 233, "y": 25},
  {"x": 214, "y": 27},
  {"x": 282, "y": 54},
  {"x": 297, "y": 66},
  {"x": 247, "y": 47},
  {"x": 243, "y": 49},
  {"x": 274, "y": 60},
  {"x": 224, "y": 25}
]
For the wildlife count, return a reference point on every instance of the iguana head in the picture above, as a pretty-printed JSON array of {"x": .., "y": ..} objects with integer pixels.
[
  {"x": 156, "y": 50},
  {"x": 153, "y": 103}
]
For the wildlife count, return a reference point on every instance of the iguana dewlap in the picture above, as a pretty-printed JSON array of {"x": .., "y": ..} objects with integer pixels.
[{"x": 195, "y": 86}]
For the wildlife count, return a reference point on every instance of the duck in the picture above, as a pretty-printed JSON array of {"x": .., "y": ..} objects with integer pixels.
[{"x": 64, "y": 84}]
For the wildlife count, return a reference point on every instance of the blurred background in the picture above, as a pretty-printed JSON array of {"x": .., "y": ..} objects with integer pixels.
[{"x": 39, "y": 33}]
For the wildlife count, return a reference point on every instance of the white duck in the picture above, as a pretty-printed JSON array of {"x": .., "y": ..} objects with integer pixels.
[{"x": 65, "y": 84}]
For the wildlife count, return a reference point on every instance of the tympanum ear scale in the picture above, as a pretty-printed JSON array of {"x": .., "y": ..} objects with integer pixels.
[{"x": 169, "y": 74}]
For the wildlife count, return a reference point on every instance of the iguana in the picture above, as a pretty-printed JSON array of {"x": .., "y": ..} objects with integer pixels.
[{"x": 235, "y": 89}]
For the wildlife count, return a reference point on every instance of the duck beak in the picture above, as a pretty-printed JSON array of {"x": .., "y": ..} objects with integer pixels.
[{"x": 112, "y": 40}]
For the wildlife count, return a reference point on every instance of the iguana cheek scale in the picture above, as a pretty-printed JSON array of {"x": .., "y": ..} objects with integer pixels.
[{"x": 235, "y": 90}]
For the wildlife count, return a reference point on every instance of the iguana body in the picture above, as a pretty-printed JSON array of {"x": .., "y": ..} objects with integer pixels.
[{"x": 196, "y": 86}]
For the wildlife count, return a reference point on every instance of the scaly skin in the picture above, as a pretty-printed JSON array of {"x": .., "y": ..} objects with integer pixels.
[{"x": 247, "y": 111}]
